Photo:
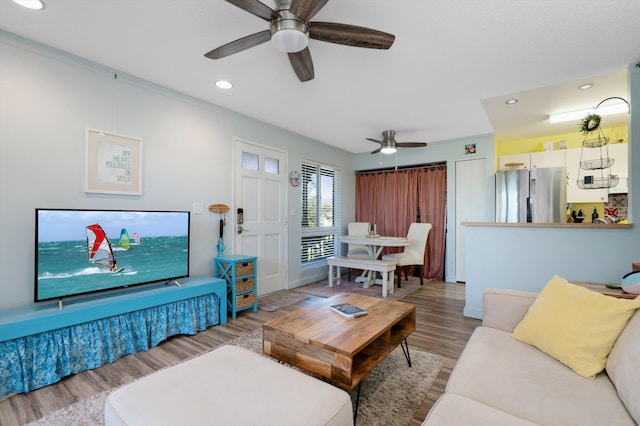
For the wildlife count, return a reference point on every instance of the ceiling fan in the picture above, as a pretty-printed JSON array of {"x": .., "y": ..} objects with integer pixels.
[
  {"x": 388, "y": 143},
  {"x": 290, "y": 30}
]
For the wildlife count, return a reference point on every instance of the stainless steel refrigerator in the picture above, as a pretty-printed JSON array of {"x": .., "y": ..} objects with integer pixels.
[{"x": 537, "y": 195}]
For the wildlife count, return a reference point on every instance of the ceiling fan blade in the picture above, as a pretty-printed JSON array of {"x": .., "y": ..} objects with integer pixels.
[
  {"x": 302, "y": 64},
  {"x": 239, "y": 45},
  {"x": 376, "y": 151},
  {"x": 350, "y": 35},
  {"x": 374, "y": 140},
  {"x": 411, "y": 144},
  {"x": 306, "y": 9},
  {"x": 256, "y": 8}
]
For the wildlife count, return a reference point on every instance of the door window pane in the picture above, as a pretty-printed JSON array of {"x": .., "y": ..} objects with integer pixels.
[
  {"x": 272, "y": 165},
  {"x": 250, "y": 161}
]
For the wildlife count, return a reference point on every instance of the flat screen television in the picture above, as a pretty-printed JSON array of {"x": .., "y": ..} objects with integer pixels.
[{"x": 86, "y": 251}]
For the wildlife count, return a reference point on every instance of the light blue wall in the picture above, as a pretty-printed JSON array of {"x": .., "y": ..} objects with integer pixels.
[
  {"x": 527, "y": 258},
  {"x": 448, "y": 151},
  {"x": 48, "y": 99}
]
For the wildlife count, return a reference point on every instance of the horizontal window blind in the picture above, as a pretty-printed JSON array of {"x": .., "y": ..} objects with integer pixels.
[
  {"x": 320, "y": 212},
  {"x": 315, "y": 248}
]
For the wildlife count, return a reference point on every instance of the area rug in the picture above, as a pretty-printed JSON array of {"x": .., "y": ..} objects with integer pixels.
[
  {"x": 390, "y": 395},
  {"x": 279, "y": 300},
  {"x": 322, "y": 289}
]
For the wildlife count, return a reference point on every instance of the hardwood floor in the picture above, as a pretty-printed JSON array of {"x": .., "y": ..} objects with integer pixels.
[{"x": 440, "y": 329}]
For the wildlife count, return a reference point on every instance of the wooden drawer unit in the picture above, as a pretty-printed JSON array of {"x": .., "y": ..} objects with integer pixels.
[{"x": 240, "y": 274}]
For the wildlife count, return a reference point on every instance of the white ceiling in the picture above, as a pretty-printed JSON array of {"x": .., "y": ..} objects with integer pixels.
[{"x": 447, "y": 75}]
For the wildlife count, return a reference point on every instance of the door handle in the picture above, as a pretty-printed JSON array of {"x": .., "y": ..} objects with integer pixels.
[{"x": 241, "y": 229}]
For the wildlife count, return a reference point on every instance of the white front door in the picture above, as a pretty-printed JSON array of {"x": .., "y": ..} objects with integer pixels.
[{"x": 260, "y": 185}]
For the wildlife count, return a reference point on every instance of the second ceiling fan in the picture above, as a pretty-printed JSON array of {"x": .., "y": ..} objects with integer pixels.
[
  {"x": 388, "y": 144},
  {"x": 290, "y": 29}
]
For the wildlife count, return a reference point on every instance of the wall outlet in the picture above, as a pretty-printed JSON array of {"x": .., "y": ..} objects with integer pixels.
[{"x": 198, "y": 208}]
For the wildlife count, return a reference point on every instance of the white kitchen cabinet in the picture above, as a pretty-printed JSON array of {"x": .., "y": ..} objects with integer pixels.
[
  {"x": 620, "y": 153},
  {"x": 515, "y": 161},
  {"x": 548, "y": 159},
  {"x": 570, "y": 159},
  {"x": 574, "y": 193}
]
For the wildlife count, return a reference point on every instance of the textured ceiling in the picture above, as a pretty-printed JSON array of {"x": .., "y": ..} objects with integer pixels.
[{"x": 452, "y": 66}]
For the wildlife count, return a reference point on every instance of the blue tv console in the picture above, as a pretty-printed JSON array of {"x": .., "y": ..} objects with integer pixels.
[{"x": 41, "y": 343}]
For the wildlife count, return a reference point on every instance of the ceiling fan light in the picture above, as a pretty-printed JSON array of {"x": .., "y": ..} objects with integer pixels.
[
  {"x": 288, "y": 33},
  {"x": 289, "y": 40},
  {"x": 388, "y": 150}
]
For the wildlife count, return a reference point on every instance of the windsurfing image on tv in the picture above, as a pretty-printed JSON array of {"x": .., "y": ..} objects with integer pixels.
[{"x": 86, "y": 251}]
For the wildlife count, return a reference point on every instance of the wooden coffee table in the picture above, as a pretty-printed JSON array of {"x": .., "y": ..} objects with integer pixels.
[{"x": 339, "y": 349}]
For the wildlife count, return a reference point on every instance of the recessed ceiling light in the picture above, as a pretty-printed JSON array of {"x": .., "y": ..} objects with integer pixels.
[
  {"x": 30, "y": 4},
  {"x": 511, "y": 101},
  {"x": 585, "y": 86},
  {"x": 224, "y": 84}
]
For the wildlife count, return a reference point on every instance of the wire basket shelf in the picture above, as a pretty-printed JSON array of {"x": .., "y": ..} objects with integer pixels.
[
  {"x": 598, "y": 183},
  {"x": 597, "y": 164},
  {"x": 595, "y": 142}
]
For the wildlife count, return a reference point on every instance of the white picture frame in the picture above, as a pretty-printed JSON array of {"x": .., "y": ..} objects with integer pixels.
[{"x": 113, "y": 163}]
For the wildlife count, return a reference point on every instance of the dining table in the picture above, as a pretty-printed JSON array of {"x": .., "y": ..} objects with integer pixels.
[{"x": 374, "y": 245}]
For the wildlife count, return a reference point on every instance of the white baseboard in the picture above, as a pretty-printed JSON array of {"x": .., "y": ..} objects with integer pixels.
[{"x": 472, "y": 313}]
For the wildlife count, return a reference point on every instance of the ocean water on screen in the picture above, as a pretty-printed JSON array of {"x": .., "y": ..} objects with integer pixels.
[{"x": 64, "y": 268}]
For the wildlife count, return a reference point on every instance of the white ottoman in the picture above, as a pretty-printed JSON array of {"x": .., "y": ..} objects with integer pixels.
[{"x": 228, "y": 386}]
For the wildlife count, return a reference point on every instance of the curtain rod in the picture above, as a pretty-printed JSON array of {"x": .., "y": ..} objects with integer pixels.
[{"x": 430, "y": 166}]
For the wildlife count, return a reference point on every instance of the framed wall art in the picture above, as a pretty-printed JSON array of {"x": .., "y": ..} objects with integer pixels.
[
  {"x": 470, "y": 148},
  {"x": 113, "y": 163}
]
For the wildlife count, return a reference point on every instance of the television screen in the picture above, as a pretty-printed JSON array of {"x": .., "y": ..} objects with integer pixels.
[{"x": 85, "y": 251}]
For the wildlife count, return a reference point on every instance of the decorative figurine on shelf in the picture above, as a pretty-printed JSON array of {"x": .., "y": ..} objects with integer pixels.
[{"x": 220, "y": 209}]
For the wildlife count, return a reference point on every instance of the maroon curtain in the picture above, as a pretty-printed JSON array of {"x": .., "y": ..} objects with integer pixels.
[
  {"x": 393, "y": 199},
  {"x": 366, "y": 198},
  {"x": 432, "y": 190}
]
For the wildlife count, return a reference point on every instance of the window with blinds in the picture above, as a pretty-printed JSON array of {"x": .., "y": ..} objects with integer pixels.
[{"x": 320, "y": 212}]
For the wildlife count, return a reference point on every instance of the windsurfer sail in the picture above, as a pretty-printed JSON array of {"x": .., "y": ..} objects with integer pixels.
[
  {"x": 136, "y": 239},
  {"x": 99, "y": 248},
  {"x": 124, "y": 239}
]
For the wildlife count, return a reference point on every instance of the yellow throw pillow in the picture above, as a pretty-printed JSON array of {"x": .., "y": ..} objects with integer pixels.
[{"x": 576, "y": 326}]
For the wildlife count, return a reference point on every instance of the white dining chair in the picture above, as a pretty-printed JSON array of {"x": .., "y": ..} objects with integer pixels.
[
  {"x": 357, "y": 251},
  {"x": 413, "y": 254}
]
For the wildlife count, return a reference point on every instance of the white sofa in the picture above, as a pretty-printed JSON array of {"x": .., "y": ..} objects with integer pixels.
[{"x": 501, "y": 381}]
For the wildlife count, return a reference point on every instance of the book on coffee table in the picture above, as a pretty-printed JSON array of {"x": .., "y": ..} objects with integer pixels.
[{"x": 348, "y": 310}]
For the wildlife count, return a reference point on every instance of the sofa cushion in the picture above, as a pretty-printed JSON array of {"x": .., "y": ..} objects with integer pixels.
[
  {"x": 623, "y": 366},
  {"x": 456, "y": 410},
  {"x": 504, "y": 309},
  {"x": 574, "y": 325},
  {"x": 501, "y": 372}
]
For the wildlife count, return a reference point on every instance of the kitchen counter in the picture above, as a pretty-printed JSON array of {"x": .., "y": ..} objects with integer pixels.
[
  {"x": 602, "y": 288},
  {"x": 550, "y": 225},
  {"x": 525, "y": 256}
]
